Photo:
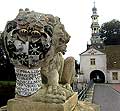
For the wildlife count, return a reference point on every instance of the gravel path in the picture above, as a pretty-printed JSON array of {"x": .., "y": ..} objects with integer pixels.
[{"x": 106, "y": 97}]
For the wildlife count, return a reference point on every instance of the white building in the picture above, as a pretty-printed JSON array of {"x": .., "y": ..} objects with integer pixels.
[
  {"x": 102, "y": 65},
  {"x": 92, "y": 63},
  {"x": 98, "y": 62}
]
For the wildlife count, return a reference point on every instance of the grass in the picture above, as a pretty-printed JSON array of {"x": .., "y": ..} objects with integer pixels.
[
  {"x": 7, "y": 83},
  {"x": 7, "y": 91}
]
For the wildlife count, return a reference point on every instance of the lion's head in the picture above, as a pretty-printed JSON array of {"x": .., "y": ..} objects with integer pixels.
[{"x": 30, "y": 35}]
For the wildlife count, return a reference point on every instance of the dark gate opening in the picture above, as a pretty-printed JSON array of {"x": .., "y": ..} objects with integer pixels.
[{"x": 97, "y": 76}]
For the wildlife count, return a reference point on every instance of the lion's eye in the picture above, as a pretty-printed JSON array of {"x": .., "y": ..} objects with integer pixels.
[
  {"x": 23, "y": 31},
  {"x": 35, "y": 33}
]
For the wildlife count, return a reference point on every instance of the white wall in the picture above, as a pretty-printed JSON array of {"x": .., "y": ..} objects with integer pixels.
[{"x": 86, "y": 68}]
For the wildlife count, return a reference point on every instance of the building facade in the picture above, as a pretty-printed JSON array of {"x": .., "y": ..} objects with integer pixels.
[
  {"x": 99, "y": 63},
  {"x": 93, "y": 65}
]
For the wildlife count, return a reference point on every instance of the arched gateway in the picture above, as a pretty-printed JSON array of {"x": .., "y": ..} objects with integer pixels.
[{"x": 97, "y": 76}]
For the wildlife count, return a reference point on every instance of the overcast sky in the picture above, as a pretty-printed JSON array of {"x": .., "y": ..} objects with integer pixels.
[{"x": 74, "y": 14}]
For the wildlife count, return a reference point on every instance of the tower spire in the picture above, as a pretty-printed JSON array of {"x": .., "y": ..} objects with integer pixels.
[
  {"x": 95, "y": 39},
  {"x": 94, "y": 3},
  {"x": 94, "y": 9}
]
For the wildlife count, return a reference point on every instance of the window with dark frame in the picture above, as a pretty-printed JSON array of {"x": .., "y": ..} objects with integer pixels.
[
  {"x": 92, "y": 61},
  {"x": 115, "y": 75}
]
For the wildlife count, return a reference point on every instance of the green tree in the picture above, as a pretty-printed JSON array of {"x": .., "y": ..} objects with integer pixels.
[{"x": 110, "y": 32}]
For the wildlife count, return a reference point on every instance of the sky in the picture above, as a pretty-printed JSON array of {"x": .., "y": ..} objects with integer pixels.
[{"x": 74, "y": 14}]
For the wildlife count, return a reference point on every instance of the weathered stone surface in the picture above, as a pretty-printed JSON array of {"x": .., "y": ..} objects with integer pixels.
[
  {"x": 35, "y": 40},
  {"x": 24, "y": 105},
  {"x": 68, "y": 70},
  {"x": 86, "y": 106},
  {"x": 4, "y": 108}
]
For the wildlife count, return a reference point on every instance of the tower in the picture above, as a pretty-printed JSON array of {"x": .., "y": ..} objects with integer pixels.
[{"x": 95, "y": 39}]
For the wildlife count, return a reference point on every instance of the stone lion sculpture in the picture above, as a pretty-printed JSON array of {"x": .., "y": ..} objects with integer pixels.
[{"x": 35, "y": 44}]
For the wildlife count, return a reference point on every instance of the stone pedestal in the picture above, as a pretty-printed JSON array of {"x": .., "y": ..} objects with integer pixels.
[
  {"x": 86, "y": 106},
  {"x": 22, "y": 105}
]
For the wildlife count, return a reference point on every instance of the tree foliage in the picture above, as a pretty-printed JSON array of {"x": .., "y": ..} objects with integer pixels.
[
  {"x": 7, "y": 72},
  {"x": 110, "y": 32}
]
